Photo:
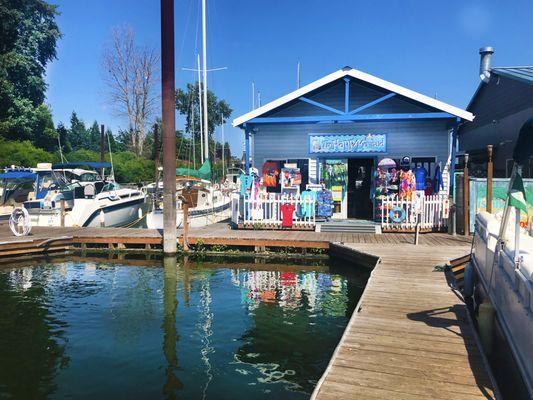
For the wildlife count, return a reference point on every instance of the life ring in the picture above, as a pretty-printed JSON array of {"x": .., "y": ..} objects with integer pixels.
[
  {"x": 397, "y": 214},
  {"x": 19, "y": 222}
]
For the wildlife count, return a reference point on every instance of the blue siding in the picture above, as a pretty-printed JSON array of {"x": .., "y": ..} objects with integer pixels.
[{"x": 414, "y": 138}]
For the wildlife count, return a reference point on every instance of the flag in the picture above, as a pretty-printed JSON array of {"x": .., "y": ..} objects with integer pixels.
[{"x": 517, "y": 197}]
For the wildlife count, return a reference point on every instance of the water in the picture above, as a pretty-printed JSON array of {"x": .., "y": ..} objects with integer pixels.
[{"x": 94, "y": 328}]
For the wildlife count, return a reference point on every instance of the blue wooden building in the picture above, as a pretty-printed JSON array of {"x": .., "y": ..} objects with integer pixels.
[{"x": 355, "y": 119}]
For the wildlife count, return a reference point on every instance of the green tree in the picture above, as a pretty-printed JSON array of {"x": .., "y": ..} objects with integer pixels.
[
  {"x": 78, "y": 136},
  {"x": 23, "y": 154},
  {"x": 29, "y": 34},
  {"x": 187, "y": 104}
]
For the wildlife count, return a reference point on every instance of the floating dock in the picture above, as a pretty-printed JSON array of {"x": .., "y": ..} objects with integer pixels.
[
  {"x": 410, "y": 336},
  {"x": 51, "y": 239}
]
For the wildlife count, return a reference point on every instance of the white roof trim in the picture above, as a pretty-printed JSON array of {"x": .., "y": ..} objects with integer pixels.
[{"x": 354, "y": 73}]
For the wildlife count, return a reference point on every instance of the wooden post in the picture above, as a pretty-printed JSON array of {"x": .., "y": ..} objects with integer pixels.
[
  {"x": 185, "y": 226},
  {"x": 490, "y": 172},
  {"x": 102, "y": 148},
  {"x": 62, "y": 204},
  {"x": 466, "y": 196},
  {"x": 169, "y": 127},
  {"x": 156, "y": 151}
]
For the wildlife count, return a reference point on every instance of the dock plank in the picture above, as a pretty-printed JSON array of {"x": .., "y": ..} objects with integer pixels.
[{"x": 410, "y": 337}]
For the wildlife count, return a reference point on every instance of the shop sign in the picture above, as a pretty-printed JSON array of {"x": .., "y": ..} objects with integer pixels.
[{"x": 342, "y": 144}]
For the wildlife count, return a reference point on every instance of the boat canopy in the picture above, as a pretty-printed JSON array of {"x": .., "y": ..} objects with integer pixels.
[
  {"x": 204, "y": 172},
  {"x": 18, "y": 175},
  {"x": 91, "y": 164}
]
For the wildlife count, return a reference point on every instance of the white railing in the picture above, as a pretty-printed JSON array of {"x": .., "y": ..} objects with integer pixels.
[
  {"x": 433, "y": 211},
  {"x": 265, "y": 212}
]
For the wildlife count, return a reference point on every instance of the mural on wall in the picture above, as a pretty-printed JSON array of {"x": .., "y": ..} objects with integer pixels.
[{"x": 342, "y": 144}]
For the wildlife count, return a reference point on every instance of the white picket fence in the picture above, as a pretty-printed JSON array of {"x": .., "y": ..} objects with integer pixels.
[
  {"x": 433, "y": 211},
  {"x": 265, "y": 211}
]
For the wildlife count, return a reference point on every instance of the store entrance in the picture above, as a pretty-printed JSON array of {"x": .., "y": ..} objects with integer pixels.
[{"x": 359, "y": 179}]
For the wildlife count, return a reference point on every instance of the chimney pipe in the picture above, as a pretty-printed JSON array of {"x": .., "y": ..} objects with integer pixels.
[{"x": 485, "y": 63}]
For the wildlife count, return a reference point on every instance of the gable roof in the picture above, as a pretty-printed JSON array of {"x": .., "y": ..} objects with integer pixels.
[{"x": 354, "y": 73}]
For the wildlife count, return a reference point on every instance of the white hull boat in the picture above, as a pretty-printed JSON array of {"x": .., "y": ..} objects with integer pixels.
[{"x": 213, "y": 206}]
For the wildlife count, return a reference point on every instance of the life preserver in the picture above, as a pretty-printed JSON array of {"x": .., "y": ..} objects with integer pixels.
[{"x": 397, "y": 214}]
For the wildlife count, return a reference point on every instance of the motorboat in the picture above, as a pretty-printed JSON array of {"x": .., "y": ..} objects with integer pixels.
[
  {"x": 56, "y": 199},
  {"x": 212, "y": 202}
]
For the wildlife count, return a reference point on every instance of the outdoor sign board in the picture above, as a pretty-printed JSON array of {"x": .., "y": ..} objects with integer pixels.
[{"x": 347, "y": 144}]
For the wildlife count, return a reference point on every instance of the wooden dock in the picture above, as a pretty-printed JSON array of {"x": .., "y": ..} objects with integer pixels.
[
  {"x": 410, "y": 336},
  {"x": 56, "y": 239}
]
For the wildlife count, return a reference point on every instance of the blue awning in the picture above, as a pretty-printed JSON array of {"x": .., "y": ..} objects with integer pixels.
[
  {"x": 90, "y": 164},
  {"x": 18, "y": 175}
]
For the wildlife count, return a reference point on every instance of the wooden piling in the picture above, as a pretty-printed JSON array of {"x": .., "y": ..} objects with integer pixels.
[
  {"x": 169, "y": 127},
  {"x": 466, "y": 197}
]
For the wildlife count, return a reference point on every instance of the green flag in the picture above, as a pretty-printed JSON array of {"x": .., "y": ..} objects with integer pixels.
[{"x": 517, "y": 197}]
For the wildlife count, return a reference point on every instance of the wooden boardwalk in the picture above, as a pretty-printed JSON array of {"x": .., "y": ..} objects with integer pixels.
[
  {"x": 48, "y": 239},
  {"x": 410, "y": 337}
]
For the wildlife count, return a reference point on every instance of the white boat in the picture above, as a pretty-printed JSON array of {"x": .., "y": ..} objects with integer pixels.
[
  {"x": 212, "y": 205},
  {"x": 88, "y": 201},
  {"x": 501, "y": 278}
]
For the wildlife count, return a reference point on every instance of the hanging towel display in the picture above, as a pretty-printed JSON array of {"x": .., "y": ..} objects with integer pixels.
[
  {"x": 324, "y": 203},
  {"x": 407, "y": 185},
  {"x": 308, "y": 207},
  {"x": 270, "y": 173},
  {"x": 246, "y": 183}
]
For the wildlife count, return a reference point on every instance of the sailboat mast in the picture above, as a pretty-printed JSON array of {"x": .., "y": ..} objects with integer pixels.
[
  {"x": 204, "y": 72},
  {"x": 200, "y": 109}
]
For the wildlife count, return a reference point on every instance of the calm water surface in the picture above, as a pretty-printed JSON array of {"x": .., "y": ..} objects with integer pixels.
[{"x": 95, "y": 329}]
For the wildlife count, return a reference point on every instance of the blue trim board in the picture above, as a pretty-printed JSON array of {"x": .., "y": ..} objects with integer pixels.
[
  {"x": 320, "y": 105},
  {"x": 352, "y": 117},
  {"x": 373, "y": 103},
  {"x": 346, "y": 94},
  {"x": 246, "y": 149}
]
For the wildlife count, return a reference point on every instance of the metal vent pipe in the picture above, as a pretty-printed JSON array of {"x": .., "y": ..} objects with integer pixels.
[{"x": 485, "y": 63}]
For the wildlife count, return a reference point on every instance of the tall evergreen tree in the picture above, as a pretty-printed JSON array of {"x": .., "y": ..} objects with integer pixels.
[{"x": 29, "y": 34}]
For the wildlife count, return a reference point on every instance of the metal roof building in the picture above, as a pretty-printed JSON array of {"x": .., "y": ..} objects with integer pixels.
[{"x": 502, "y": 102}]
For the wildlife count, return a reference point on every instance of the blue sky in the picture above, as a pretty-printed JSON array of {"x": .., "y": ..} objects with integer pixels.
[{"x": 428, "y": 46}]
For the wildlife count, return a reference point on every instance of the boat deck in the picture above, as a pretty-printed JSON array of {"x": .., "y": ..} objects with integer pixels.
[{"x": 410, "y": 337}]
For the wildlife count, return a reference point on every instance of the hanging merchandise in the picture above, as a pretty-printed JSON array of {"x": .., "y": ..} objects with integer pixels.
[
  {"x": 308, "y": 198},
  {"x": 438, "y": 182},
  {"x": 324, "y": 203},
  {"x": 287, "y": 212},
  {"x": 420, "y": 177},
  {"x": 385, "y": 183},
  {"x": 245, "y": 183},
  {"x": 291, "y": 178},
  {"x": 270, "y": 173},
  {"x": 407, "y": 185}
]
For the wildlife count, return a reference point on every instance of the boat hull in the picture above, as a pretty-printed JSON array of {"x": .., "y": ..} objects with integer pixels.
[
  {"x": 197, "y": 217},
  {"x": 508, "y": 289}
]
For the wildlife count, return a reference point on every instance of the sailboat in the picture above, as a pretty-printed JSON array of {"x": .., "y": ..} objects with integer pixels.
[{"x": 212, "y": 202}]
